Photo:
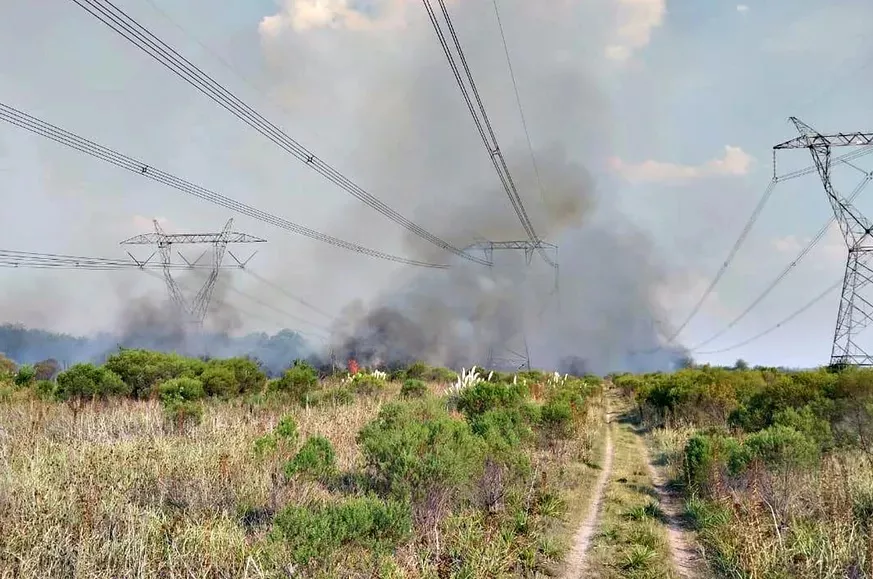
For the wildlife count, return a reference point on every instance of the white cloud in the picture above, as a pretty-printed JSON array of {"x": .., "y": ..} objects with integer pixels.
[
  {"x": 303, "y": 15},
  {"x": 637, "y": 20},
  {"x": 742, "y": 8},
  {"x": 735, "y": 161},
  {"x": 829, "y": 250}
]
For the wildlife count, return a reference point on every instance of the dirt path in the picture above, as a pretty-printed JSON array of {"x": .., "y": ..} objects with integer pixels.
[
  {"x": 687, "y": 560},
  {"x": 575, "y": 561}
]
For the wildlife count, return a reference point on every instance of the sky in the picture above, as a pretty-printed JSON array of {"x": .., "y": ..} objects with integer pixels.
[{"x": 672, "y": 106}]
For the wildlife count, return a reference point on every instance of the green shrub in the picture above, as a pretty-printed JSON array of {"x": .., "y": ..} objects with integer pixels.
[
  {"x": 180, "y": 389},
  {"x": 7, "y": 367},
  {"x": 417, "y": 371},
  {"x": 248, "y": 376},
  {"x": 219, "y": 380},
  {"x": 89, "y": 382},
  {"x": 286, "y": 430},
  {"x": 341, "y": 396},
  {"x": 25, "y": 376},
  {"x": 807, "y": 422},
  {"x": 45, "y": 389},
  {"x": 315, "y": 459},
  {"x": 141, "y": 370},
  {"x": 367, "y": 384},
  {"x": 782, "y": 446},
  {"x": 484, "y": 396},
  {"x": 413, "y": 447},
  {"x": 298, "y": 381},
  {"x": 314, "y": 535},
  {"x": 504, "y": 428},
  {"x": 413, "y": 388},
  {"x": 557, "y": 419},
  {"x": 708, "y": 455}
]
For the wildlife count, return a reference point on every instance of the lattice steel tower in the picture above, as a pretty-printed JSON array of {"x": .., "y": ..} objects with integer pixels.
[
  {"x": 517, "y": 355},
  {"x": 856, "y": 302},
  {"x": 196, "y": 308}
]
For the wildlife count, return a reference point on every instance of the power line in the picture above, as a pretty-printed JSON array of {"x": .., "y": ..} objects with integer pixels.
[
  {"x": 745, "y": 232},
  {"x": 128, "y": 28},
  {"x": 480, "y": 118},
  {"x": 845, "y": 158},
  {"x": 533, "y": 157},
  {"x": 49, "y": 131},
  {"x": 730, "y": 256},
  {"x": 803, "y": 253},
  {"x": 251, "y": 315},
  {"x": 285, "y": 292},
  {"x": 771, "y": 329}
]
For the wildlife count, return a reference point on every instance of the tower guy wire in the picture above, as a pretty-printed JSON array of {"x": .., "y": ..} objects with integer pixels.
[
  {"x": 196, "y": 308},
  {"x": 127, "y": 27},
  {"x": 480, "y": 119},
  {"x": 856, "y": 300},
  {"x": 34, "y": 125}
]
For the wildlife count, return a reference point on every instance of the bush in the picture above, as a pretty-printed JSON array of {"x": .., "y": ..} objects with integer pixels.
[
  {"x": 25, "y": 376},
  {"x": 141, "y": 370},
  {"x": 284, "y": 436},
  {"x": 367, "y": 384},
  {"x": 707, "y": 456},
  {"x": 341, "y": 396},
  {"x": 7, "y": 367},
  {"x": 297, "y": 381},
  {"x": 45, "y": 389},
  {"x": 248, "y": 376},
  {"x": 314, "y": 535},
  {"x": 484, "y": 396},
  {"x": 180, "y": 389},
  {"x": 782, "y": 446},
  {"x": 505, "y": 429},
  {"x": 180, "y": 398},
  {"x": 89, "y": 382},
  {"x": 412, "y": 448},
  {"x": 413, "y": 388},
  {"x": 315, "y": 459},
  {"x": 219, "y": 380}
]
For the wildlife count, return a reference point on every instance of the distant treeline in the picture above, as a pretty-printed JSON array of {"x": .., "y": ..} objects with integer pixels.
[{"x": 29, "y": 346}]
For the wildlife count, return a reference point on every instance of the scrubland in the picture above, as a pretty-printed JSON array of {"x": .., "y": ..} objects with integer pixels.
[
  {"x": 776, "y": 466},
  {"x": 154, "y": 465}
]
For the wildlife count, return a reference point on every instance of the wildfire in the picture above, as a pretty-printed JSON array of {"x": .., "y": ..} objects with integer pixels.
[{"x": 353, "y": 366}]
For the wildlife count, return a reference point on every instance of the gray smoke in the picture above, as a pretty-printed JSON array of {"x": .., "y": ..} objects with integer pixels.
[
  {"x": 416, "y": 147},
  {"x": 599, "y": 320}
]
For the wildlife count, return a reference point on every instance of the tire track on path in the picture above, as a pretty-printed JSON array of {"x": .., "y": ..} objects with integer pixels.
[
  {"x": 576, "y": 558},
  {"x": 686, "y": 558}
]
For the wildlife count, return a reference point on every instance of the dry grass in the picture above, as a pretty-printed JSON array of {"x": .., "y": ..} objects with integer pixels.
[
  {"x": 815, "y": 523},
  {"x": 116, "y": 493},
  {"x": 804, "y": 524}
]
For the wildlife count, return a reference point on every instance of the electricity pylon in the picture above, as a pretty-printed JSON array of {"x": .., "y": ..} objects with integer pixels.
[
  {"x": 508, "y": 356},
  {"x": 196, "y": 309},
  {"x": 856, "y": 301}
]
